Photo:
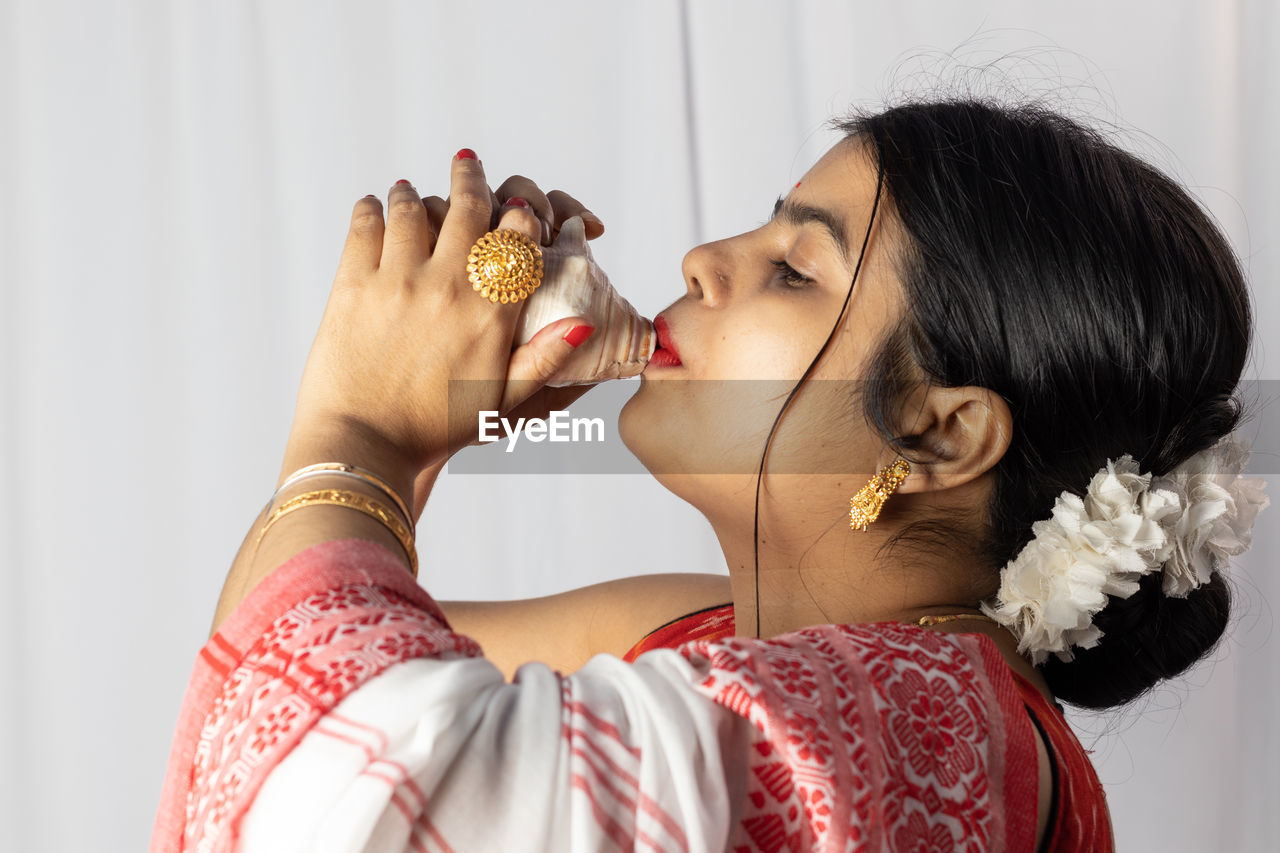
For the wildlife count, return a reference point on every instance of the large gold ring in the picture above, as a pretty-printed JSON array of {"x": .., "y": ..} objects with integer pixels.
[{"x": 505, "y": 266}]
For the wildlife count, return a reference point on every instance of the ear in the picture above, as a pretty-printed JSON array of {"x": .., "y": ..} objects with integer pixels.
[{"x": 965, "y": 432}]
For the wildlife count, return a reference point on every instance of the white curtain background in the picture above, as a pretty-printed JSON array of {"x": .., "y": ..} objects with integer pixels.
[{"x": 177, "y": 181}]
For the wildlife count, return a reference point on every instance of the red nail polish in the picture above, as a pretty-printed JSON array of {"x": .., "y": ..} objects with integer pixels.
[
  {"x": 517, "y": 202},
  {"x": 797, "y": 186},
  {"x": 575, "y": 336},
  {"x": 401, "y": 181},
  {"x": 371, "y": 195},
  {"x": 466, "y": 154}
]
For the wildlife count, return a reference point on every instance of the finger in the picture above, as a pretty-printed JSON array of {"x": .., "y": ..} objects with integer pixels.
[
  {"x": 470, "y": 209},
  {"x": 518, "y": 186},
  {"x": 436, "y": 210},
  {"x": 517, "y": 215},
  {"x": 497, "y": 210},
  {"x": 533, "y": 364},
  {"x": 409, "y": 235},
  {"x": 363, "y": 248},
  {"x": 565, "y": 206}
]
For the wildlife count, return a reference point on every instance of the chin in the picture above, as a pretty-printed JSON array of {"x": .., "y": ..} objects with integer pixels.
[
  {"x": 684, "y": 446},
  {"x": 645, "y": 430}
]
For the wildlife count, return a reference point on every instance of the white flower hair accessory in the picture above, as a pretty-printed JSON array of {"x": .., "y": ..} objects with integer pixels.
[{"x": 1128, "y": 524}]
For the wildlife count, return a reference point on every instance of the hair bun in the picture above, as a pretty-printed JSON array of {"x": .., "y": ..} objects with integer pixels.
[{"x": 1150, "y": 636}]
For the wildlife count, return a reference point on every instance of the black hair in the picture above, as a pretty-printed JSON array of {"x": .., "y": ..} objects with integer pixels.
[{"x": 1040, "y": 260}]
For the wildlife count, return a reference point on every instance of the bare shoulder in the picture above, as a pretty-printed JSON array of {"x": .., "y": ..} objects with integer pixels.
[{"x": 566, "y": 629}]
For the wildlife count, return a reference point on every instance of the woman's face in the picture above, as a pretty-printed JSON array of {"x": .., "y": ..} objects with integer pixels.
[{"x": 756, "y": 310}]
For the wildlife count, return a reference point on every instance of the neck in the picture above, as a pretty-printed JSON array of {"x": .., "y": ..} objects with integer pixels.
[{"x": 842, "y": 578}]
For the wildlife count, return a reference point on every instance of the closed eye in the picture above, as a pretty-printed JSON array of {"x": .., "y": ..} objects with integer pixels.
[{"x": 791, "y": 275}]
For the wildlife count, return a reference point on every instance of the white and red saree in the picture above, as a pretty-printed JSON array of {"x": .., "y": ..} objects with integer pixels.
[{"x": 335, "y": 710}]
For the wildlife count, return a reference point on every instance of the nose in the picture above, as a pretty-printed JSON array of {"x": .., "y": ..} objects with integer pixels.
[{"x": 706, "y": 274}]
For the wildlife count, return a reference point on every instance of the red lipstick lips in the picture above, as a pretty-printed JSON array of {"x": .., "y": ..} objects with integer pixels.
[{"x": 666, "y": 354}]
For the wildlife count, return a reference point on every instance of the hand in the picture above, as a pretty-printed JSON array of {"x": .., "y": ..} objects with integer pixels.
[
  {"x": 553, "y": 209},
  {"x": 402, "y": 321}
]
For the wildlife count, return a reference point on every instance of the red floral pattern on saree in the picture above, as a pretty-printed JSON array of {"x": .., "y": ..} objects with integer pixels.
[
  {"x": 931, "y": 715},
  {"x": 274, "y": 679},
  {"x": 310, "y": 658},
  {"x": 872, "y": 737}
]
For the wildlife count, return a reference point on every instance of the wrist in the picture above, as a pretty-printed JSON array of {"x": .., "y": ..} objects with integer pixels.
[
  {"x": 318, "y": 491},
  {"x": 273, "y": 539},
  {"x": 348, "y": 441}
]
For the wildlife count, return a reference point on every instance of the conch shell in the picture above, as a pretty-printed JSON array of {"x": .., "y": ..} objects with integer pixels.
[{"x": 573, "y": 285}]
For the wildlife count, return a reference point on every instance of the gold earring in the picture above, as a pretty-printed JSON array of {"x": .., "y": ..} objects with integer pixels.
[{"x": 864, "y": 507}]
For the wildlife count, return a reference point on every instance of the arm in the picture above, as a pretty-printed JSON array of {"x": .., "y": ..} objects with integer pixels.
[
  {"x": 563, "y": 631},
  {"x": 296, "y": 532},
  {"x": 566, "y": 630},
  {"x": 402, "y": 321}
]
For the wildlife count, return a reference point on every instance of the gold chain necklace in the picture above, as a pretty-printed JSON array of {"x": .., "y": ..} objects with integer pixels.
[{"x": 930, "y": 621}]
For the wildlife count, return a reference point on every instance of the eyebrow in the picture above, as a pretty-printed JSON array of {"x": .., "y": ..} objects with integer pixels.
[{"x": 795, "y": 214}]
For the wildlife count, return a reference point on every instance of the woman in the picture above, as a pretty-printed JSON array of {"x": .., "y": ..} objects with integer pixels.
[{"x": 1030, "y": 336}]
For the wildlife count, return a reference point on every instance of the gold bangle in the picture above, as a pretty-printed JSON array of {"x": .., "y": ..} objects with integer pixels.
[
  {"x": 345, "y": 470},
  {"x": 350, "y": 500}
]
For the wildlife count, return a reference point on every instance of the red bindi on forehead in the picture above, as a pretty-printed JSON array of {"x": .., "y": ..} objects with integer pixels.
[{"x": 797, "y": 186}]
